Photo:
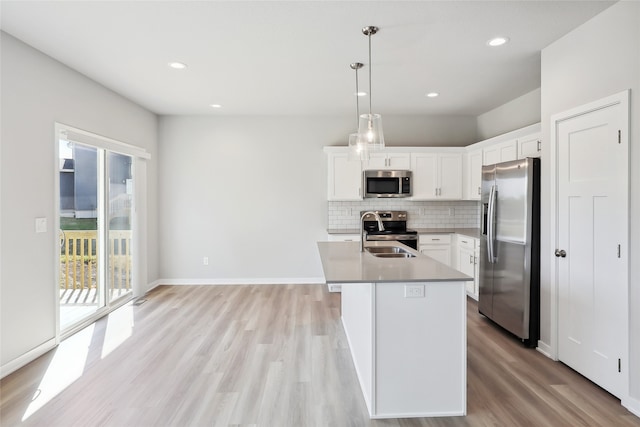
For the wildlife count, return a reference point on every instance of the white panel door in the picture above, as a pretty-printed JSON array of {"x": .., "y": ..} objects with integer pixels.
[{"x": 592, "y": 229}]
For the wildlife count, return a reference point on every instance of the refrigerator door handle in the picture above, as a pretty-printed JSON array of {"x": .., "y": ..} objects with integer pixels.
[{"x": 490, "y": 224}]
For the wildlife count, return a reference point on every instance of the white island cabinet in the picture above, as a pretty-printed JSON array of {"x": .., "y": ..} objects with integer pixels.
[{"x": 405, "y": 321}]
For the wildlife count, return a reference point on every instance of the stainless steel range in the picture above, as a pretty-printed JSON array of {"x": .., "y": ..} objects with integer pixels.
[{"x": 395, "y": 228}]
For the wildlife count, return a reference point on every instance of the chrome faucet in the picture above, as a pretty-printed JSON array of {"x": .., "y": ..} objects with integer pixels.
[{"x": 380, "y": 226}]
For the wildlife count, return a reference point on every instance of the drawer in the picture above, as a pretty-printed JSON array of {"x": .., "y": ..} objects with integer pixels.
[
  {"x": 434, "y": 239},
  {"x": 466, "y": 242}
]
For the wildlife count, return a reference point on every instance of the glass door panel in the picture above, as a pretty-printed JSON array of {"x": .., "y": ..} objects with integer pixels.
[
  {"x": 79, "y": 284},
  {"x": 119, "y": 211}
]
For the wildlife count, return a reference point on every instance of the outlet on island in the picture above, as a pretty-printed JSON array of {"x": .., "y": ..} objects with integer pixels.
[{"x": 414, "y": 291}]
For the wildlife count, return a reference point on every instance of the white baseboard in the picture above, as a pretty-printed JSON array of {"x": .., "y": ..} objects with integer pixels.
[
  {"x": 545, "y": 349},
  {"x": 245, "y": 281},
  {"x": 26, "y": 358},
  {"x": 632, "y": 404}
]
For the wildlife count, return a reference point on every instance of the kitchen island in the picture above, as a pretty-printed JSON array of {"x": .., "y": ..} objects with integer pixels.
[{"x": 405, "y": 321}]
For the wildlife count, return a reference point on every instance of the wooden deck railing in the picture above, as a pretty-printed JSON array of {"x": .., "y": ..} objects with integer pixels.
[{"x": 79, "y": 259}]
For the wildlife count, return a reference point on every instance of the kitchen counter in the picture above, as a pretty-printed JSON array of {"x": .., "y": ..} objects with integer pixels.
[
  {"x": 343, "y": 262},
  {"x": 405, "y": 322}
]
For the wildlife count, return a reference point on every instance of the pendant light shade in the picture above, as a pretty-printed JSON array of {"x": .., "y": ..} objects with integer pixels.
[
  {"x": 370, "y": 131},
  {"x": 357, "y": 146},
  {"x": 370, "y": 125}
]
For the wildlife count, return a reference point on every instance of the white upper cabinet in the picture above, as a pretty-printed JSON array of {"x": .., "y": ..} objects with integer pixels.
[
  {"x": 529, "y": 146},
  {"x": 388, "y": 160},
  {"x": 436, "y": 176},
  {"x": 501, "y": 152},
  {"x": 473, "y": 175},
  {"x": 344, "y": 177}
]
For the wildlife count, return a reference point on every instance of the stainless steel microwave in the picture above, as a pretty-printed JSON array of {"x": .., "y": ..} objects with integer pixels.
[{"x": 387, "y": 183}]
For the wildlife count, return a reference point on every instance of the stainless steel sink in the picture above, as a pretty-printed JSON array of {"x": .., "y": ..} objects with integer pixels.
[{"x": 389, "y": 252}]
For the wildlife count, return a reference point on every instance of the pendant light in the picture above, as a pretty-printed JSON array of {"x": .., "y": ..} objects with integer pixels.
[
  {"x": 370, "y": 125},
  {"x": 357, "y": 148}
]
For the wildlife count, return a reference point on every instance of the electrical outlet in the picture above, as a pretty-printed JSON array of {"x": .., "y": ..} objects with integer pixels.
[
  {"x": 205, "y": 260},
  {"x": 41, "y": 225},
  {"x": 452, "y": 211},
  {"x": 414, "y": 291}
]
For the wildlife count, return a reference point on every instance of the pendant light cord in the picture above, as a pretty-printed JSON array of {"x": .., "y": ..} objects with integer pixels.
[
  {"x": 357, "y": 99},
  {"x": 370, "y": 95}
]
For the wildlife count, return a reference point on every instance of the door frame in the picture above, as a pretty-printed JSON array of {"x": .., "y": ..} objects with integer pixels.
[
  {"x": 139, "y": 157},
  {"x": 620, "y": 98}
]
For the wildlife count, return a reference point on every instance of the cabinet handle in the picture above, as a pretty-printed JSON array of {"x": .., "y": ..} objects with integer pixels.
[
  {"x": 470, "y": 259},
  {"x": 433, "y": 240},
  {"x": 479, "y": 191},
  {"x": 436, "y": 191},
  {"x": 539, "y": 146},
  {"x": 463, "y": 241}
]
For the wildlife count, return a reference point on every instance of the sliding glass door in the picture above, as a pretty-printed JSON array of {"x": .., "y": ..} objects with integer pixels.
[{"x": 96, "y": 216}]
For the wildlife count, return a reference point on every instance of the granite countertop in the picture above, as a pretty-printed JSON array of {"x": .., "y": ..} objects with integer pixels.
[
  {"x": 342, "y": 262},
  {"x": 469, "y": 232}
]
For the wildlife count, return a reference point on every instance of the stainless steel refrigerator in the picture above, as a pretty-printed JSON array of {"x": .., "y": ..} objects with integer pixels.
[{"x": 510, "y": 247}]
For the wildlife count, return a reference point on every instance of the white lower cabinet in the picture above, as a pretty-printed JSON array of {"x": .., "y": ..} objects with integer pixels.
[
  {"x": 467, "y": 262},
  {"x": 436, "y": 246}
]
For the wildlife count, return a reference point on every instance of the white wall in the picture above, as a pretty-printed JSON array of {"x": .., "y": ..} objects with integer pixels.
[
  {"x": 518, "y": 113},
  {"x": 430, "y": 131},
  {"x": 598, "y": 59},
  {"x": 250, "y": 192},
  {"x": 36, "y": 92}
]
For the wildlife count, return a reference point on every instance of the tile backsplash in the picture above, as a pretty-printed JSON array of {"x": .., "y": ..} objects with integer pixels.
[{"x": 427, "y": 214}]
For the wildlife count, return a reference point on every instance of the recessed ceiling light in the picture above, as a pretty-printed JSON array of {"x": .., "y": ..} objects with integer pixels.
[
  {"x": 215, "y": 105},
  {"x": 433, "y": 95},
  {"x": 177, "y": 65},
  {"x": 497, "y": 41}
]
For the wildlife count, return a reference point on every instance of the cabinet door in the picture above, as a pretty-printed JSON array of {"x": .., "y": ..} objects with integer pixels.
[
  {"x": 400, "y": 161},
  {"x": 376, "y": 161},
  {"x": 440, "y": 253},
  {"x": 509, "y": 151},
  {"x": 345, "y": 178},
  {"x": 450, "y": 176},
  {"x": 466, "y": 265},
  {"x": 386, "y": 160},
  {"x": 501, "y": 152},
  {"x": 529, "y": 146},
  {"x": 474, "y": 175},
  {"x": 491, "y": 155},
  {"x": 425, "y": 175}
]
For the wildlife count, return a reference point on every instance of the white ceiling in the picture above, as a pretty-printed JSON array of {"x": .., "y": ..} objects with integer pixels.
[{"x": 292, "y": 57}]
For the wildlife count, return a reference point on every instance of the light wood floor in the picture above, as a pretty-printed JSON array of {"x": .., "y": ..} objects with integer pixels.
[{"x": 274, "y": 356}]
